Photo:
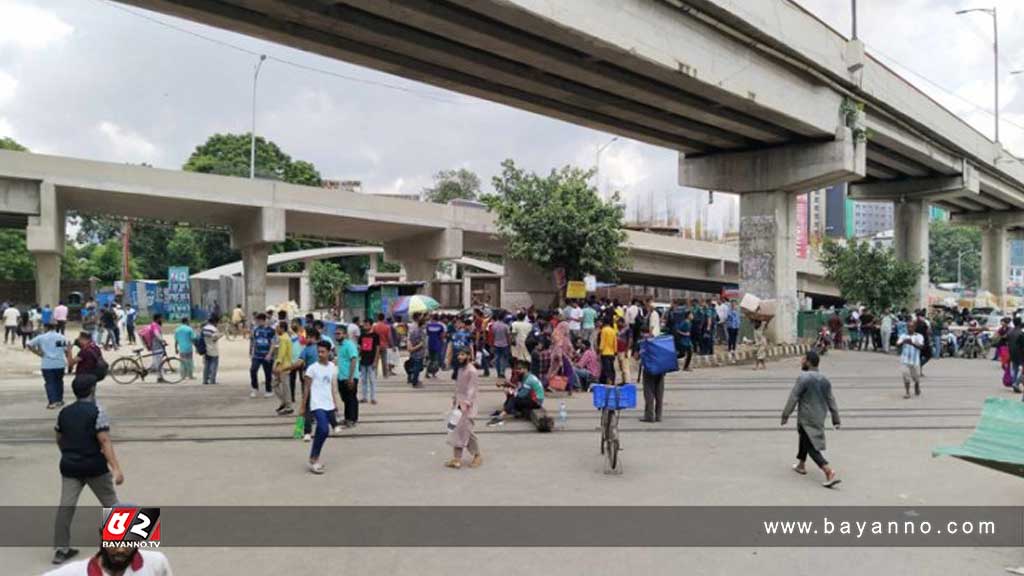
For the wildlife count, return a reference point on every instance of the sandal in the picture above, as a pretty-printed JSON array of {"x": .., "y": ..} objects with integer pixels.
[
  {"x": 477, "y": 461},
  {"x": 799, "y": 470},
  {"x": 453, "y": 463}
]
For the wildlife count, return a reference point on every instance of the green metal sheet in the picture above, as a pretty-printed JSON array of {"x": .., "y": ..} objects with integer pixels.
[{"x": 997, "y": 441}]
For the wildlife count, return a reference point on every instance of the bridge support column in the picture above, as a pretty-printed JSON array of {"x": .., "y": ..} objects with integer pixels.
[
  {"x": 44, "y": 238},
  {"x": 767, "y": 254},
  {"x": 994, "y": 263},
  {"x": 253, "y": 236},
  {"x": 420, "y": 254},
  {"x": 768, "y": 181},
  {"x": 306, "y": 300},
  {"x": 910, "y": 241}
]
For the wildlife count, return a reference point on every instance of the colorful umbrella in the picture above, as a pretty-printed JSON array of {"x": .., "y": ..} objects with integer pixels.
[{"x": 409, "y": 305}]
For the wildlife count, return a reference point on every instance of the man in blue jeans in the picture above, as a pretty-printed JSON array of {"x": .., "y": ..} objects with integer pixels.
[
  {"x": 260, "y": 345},
  {"x": 320, "y": 393},
  {"x": 52, "y": 347}
]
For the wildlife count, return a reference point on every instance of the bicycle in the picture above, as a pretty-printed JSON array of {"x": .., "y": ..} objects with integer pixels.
[
  {"x": 128, "y": 369},
  {"x": 231, "y": 330},
  {"x": 611, "y": 400}
]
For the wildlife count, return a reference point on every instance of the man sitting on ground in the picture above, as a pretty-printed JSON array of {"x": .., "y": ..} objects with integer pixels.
[{"x": 521, "y": 399}]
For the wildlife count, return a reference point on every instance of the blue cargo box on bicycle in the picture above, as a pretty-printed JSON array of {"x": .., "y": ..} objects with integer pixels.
[{"x": 614, "y": 397}]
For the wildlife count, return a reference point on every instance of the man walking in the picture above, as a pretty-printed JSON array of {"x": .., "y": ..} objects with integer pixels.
[
  {"x": 52, "y": 347},
  {"x": 416, "y": 343},
  {"x": 60, "y": 317},
  {"x": 812, "y": 396},
  {"x": 607, "y": 347},
  {"x": 211, "y": 360},
  {"x": 501, "y": 336},
  {"x": 321, "y": 395},
  {"x": 654, "y": 393},
  {"x": 283, "y": 365},
  {"x": 183, "y": 337},
  {"x": 130, "y": 314},
  {"x": 86, "y": 459},
  {"x": 911, "y": 345},
  {"x": 348, "y": 376},
  {"x": 260, "y": 342},
  {"x": 369, "y": 356},
  {"x": 12, "y": 317}
]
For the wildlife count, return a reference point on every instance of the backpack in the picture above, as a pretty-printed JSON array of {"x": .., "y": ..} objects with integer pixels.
[
  {"x": 200, "y": 344},
  {"x": 102, "y": 368}
]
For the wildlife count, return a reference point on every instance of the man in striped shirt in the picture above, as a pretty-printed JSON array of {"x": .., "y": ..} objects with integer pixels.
[{"x": 910, "y": 346}]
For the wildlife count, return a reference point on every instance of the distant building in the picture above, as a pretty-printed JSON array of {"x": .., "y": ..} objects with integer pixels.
[
  {"x": 835, "y": 211},
  {"x": 882, "y": 239},
  {"x": 870, "y": 218}
]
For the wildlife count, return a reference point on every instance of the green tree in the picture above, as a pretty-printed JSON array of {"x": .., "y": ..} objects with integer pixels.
[
  {"x": 228, "y": 155},
  {"x": 558, "y": 221},
  {"x": 452, "y": 184},
  {"x": 871, "y": 276},
  {"x": 945, "y": 243},
  {"x": 328, "y": 280},
  {"x": 15, "y": 261},
  {"x": 185, "y": 249},
  {"x": 105, "y": 262},
  {"x": 7, "y": 143}
]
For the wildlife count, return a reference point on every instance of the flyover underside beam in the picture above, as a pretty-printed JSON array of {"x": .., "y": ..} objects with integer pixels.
[
  {"x": 911, "y": 146},
  {"x": 371, "y": 29},
  {"x": 689, "y": 53},
  {"x": 483, "y": 33},
  {"x": 794, "y": 168}
]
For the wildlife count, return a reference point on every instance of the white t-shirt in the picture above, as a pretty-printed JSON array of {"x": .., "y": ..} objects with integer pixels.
[
  {"x": 321, "y": 389},
  {"x": 152, "y": 564},
  {"x": 575, "y": 316},
  {"x": 655, "y": 323},
  {"x": 11, "y": 316}
]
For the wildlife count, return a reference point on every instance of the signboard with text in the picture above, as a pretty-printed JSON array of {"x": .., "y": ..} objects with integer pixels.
[{"x": 177, "y": 300}]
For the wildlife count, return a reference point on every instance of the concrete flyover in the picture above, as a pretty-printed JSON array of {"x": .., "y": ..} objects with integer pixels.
[
  {"x": 760, "y": 98},
  {"x": 259, "y": 213}
]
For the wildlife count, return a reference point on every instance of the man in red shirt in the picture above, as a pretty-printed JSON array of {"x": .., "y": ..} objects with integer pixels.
[
  {"x": 383, "y": 331},
  {"x": 88, "y": 356}
]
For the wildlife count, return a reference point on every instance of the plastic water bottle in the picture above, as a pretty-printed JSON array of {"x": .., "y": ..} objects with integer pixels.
[{"x": 563, "y": 416}]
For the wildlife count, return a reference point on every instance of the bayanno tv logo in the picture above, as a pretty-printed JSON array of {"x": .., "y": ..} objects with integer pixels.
[{"x": 125, "y": 527}]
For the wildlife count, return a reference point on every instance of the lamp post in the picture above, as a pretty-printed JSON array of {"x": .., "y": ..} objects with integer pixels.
[
  {"x": 995, "y": 50},
  {"x": 597, "y": 163},
  {"x": 252, "y": 134},
  {"x": 959, "y": 275}
]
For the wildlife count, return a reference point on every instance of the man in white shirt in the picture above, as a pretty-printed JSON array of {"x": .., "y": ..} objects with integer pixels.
[
  {"x": 910, "y": 346},
  {"x": 11, "y": 318},
  {"x": 118, "y": 562},
  {"x": 653, "y": 319},
  {"x": 575, "y": 319},
  {"x": 320, "y": 394}
]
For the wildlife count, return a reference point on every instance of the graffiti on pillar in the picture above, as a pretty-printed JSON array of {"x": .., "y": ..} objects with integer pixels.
[
  {"x": 177, "y": 296},
  {"x": 757, "y": 254}
]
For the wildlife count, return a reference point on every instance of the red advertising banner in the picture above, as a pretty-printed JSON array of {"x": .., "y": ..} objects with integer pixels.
[{"x": 802, "y": 231}]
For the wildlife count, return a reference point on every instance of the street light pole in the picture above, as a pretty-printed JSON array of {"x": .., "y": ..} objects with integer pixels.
[
  {"x": 597, "y": 164},
  {"x": 252, "y": 134},
  {"x": 995, "y": 51}
]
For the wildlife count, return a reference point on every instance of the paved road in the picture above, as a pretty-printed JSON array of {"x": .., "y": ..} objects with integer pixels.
[{"x": 720, "y": 444}]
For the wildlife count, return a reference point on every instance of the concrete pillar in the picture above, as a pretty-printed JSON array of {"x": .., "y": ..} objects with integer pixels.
[
  {"x": 47, "y": 278},
  {"x": 306, "y": 300},
  {"x": 910, "y": 241},
  {"x": 253, "y": 234},
  {"x": 767, "y": 254},
  {"x": 254, "y": 274},
  {"x": 371, "y": 272},
  {"x": 44, "y": 238},
  {"x": 994, "y": 261}
]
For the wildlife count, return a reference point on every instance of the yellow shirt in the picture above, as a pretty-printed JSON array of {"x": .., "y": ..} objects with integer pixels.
[
  {"x": 236, "y": 315},
  {"x": 609, "y": 340},
  {"x": 284, "y": 351}
]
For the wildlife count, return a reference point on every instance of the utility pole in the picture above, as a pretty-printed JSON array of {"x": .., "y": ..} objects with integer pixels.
[{"x": 252, "y": 134}]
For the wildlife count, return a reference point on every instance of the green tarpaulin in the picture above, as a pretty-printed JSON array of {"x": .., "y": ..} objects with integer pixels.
[{"x": 998, "y": 440}]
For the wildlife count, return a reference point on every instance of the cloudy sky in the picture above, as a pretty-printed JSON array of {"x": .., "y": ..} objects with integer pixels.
[{"x": 94, "y": 79}]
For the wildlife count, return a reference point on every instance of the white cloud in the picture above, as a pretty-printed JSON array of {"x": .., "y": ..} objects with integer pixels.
[
  {"x": 125, "y": 145},
  {"x": 29, "y": 27},
  {"x": 6, "y": 129},
  {"x": 8, "y": 86}
]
